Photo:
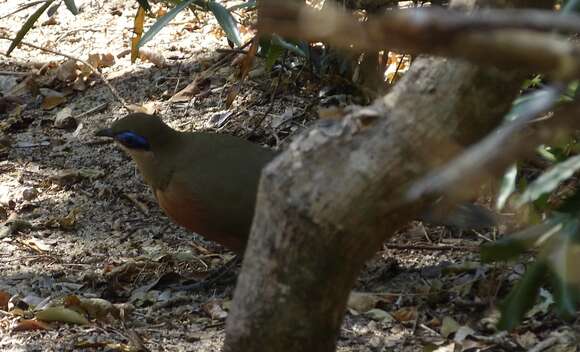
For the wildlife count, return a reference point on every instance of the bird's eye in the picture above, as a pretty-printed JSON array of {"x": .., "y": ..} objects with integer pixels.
[{"x": 132, "y": 140}]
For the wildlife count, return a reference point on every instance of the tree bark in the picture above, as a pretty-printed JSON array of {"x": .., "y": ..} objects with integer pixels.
[{"x": 328, "y": 202}]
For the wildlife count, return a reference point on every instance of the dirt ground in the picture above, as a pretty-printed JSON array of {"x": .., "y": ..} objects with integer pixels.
[{"x": 79, "y": 224}]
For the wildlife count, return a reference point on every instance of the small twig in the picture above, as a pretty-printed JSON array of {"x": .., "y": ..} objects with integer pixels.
[
  {"x": 59, "y": 38},
  {"x": 423, "y": 247},
  {"x": 12, "y": 73},
  {"x": 271, "y": 105},
  {"x": 91, "y": 67},
  {"x": 228, "y": 51},
  {"x": 398, "y": 67},
  {"x": 542, "y": 345},
  {"x": 22, "y": 8},
  {"x": 140, "y": 205},
  {"x": 97, "y": 108},
  {"x": 429, "y": 329}
]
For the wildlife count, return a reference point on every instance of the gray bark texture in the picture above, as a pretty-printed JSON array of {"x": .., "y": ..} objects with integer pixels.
[{"x": 327, "y": 203}]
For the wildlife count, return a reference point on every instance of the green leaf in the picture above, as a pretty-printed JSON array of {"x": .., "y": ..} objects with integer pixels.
[
  {"x": 546, "y": 153},
  {"x": 525, "y": 104},
  {"x": 265, "y": 43},
  {"x": 532, "y": 83},
  {"x": 277, "y": 40},
  {"x": 562, "y": 254},
  {"x": 226, "y": 21},
  {"x": 570, "y": 92},
  {"x": 571, "y": 6},
  {"x": 507, "y": 187},
  {"x": 274, "y": 52},
  {"x": 52, "y": 10},
  {"x": 565, "y": 297},
  {"x": 28, "y": 25},
  {"x": 163, "y": 21},
  {"x": 522, "y": 297},
  {"x": 549, "y": 180},
  {"x": 511, "y": 246},
  {"x": 71, "y": 6},
  {"x": 248, "y": 4}
]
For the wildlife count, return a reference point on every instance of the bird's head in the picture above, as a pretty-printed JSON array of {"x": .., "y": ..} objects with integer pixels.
[
  {"x": 148, "y": 141},
  {"x": 138, "y": 133}
]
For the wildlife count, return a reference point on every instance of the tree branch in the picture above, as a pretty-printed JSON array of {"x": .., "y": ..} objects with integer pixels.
[
  {"x": 493, "y": 155},
  {"x": 510, "y": 39}
]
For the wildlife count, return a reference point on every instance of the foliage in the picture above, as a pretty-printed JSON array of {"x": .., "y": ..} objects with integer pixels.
[
  {"x": 271, "y": 47},
  {"x": 556, "y": 238}
]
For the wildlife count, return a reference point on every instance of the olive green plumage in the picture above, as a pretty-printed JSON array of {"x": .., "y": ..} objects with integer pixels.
[{"x": 214, "y": 175}]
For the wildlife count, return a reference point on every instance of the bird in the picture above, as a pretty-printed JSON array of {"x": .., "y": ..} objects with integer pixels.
[{"x": 207, "y": 182}]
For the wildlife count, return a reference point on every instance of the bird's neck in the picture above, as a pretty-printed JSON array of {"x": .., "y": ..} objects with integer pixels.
[
  {"x": 155, "y": 171},
  {"x": 156, "y": 167}
]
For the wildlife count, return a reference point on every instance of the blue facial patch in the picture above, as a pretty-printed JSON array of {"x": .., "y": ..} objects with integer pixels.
[{"x": 132, "y": 140}]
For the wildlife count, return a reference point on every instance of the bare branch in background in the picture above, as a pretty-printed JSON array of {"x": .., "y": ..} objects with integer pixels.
[{"x": 512, "y": 39}]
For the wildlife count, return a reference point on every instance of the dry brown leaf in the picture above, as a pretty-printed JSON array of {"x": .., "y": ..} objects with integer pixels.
[
  {"x": 30, "y": 325},
  {"x": 161, "y": 11},
  {"x": 214, "y": 310},
  {"x": 80, "y": 84},
  {"x": 53, "y": 101},
  {"x": 405, "y": 314},
  {"x": 64, "y": 119},
  {"x": 153, "y": 56},
  {"x": 527, "y": 340},
  {"x": 147, "y": 108},
  {"x": 101, "y": 60},
  {"x": 138, "y": 32},
  {"x": 69, "y": 221},
  {"x": 232, "y": 94},
  {"x": 362, "y": 302},
  {"x": 4, "y": 298},
  {"x": 248, "y": 61},
  {"x": 200, "y": 83},
  {"x": 36, "y": 245},
  {"x": 449, "y": 326},
  {"x": 68, "y": 177},
  {"x": 67, "y": 71},
  {"x": 96, "y": 308}
]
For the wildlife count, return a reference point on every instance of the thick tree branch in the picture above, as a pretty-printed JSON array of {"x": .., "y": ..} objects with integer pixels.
[
  {"x": 328, "y": 202},
  {"x": 512, "y": 39}
]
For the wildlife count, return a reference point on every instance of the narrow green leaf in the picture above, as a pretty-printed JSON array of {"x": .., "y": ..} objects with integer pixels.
[
  {"x": 163, "y": 21},
  {"x": 507, "y": 187},
  {"x": 511, "y": 246},
  {"x": 265, "y": 43},
  {"x": 571, "y": 6},
  {"x": 226, "y": 21},
  {"x": 28, "y": 25},
  {"x": 144, "y": 4},
  {"x": 522, "y": 297},
  {"x": 274, "y": 52},
  {"x": 277, "y": 40},
  {"x": 549, "y": 180},
  {"x": 250, "y": 4},
  {"x": 565, "y": 297},
  {"x": 52, "y": 10},
  {"x": 529, "y": 103},
  {"x": 532, "y": 83},
  {"x": 546, "y": 153},
  {"x": 71, "y": 6}
]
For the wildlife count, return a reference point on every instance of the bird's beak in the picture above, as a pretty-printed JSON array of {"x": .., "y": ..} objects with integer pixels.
[{"x": 105, "y": 132}]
